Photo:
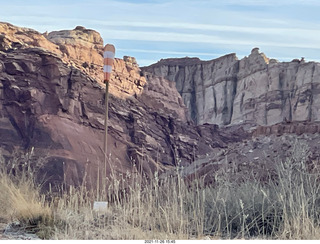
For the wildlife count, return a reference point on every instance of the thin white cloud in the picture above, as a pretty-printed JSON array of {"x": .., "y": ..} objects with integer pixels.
[
  {"x": 219, "y": 26},
  {"x": 294, "y": 33},
  {"x": 208, "y": 27},
  {"x": 202, "y": 38},
  {"x": 170, "y": 52}
]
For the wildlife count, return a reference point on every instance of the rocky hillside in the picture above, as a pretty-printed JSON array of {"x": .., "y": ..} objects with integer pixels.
[
  {"x": 52, "y": 103},
  {"x": 256, "y": 89}
]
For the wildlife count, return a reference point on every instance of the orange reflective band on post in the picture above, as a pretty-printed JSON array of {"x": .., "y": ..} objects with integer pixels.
[
  {"x": 107, "y": 61},
  {"x": 107, "y": 77}
]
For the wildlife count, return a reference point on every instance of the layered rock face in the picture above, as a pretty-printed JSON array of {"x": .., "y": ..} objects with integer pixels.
[
  {"x": 80, "y": 48},
  {"x": 80, "y": 44},
  {"x": 52, "y": 103},
  {"x": 205, "y": 86},
  {"x": 84, "y": 47},
  {"x": 228, "y": 91},
  {"x": 57, "y": 111},
  {"x": 53, "y": 107}
]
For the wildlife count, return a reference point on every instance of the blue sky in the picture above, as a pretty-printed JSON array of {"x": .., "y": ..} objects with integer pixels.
[{"x": 151, "y": 30}]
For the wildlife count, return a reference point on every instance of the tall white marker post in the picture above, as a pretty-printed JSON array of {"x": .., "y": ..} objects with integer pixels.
[{"x": 108, "y": 57}]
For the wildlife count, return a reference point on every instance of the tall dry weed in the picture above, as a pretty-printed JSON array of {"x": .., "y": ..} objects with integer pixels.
[
  {"x": 158, "y": 207},
  {"x": 20, "y": 198}
]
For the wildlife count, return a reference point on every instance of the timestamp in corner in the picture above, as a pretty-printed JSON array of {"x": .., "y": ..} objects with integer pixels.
[{"x": 160, "y": 241}]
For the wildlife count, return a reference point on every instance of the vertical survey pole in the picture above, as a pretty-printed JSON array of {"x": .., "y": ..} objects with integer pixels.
[{"x": 108, "y": 56}]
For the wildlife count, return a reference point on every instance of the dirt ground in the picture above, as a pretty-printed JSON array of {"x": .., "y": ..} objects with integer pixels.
[{"x": 9, "y": 232}]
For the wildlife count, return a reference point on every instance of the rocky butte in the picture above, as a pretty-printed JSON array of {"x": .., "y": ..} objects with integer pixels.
[{"x": 201, "y": 115}]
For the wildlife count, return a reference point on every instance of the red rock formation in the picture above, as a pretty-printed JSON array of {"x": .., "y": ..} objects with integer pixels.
[{"x": 51, "y": 105}]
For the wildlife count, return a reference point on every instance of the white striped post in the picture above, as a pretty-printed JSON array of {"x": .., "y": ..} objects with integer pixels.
[{"x": 108, "y": 57}]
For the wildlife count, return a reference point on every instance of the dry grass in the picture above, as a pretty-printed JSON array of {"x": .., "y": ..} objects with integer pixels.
[
  {"x": 20, "y": 200},
  {"x": 286, "y": 208}
]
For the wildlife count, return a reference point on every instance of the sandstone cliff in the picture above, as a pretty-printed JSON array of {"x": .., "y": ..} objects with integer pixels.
[
  {"x": 228, "y": 91},
  {"x": 80, "y": 48},
  {"x": 52, "y": 105}
]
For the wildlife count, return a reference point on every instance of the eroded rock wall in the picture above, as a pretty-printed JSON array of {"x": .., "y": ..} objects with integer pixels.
[
  {"x": 52, "y": 106},
  {"x": 207, "y": 87},
  {"x": 254, "y": 89},
  {"x": 80, "y": 48}
]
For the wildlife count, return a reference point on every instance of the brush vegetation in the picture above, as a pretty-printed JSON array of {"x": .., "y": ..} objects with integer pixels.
[{"x": 286, "y": 207}]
